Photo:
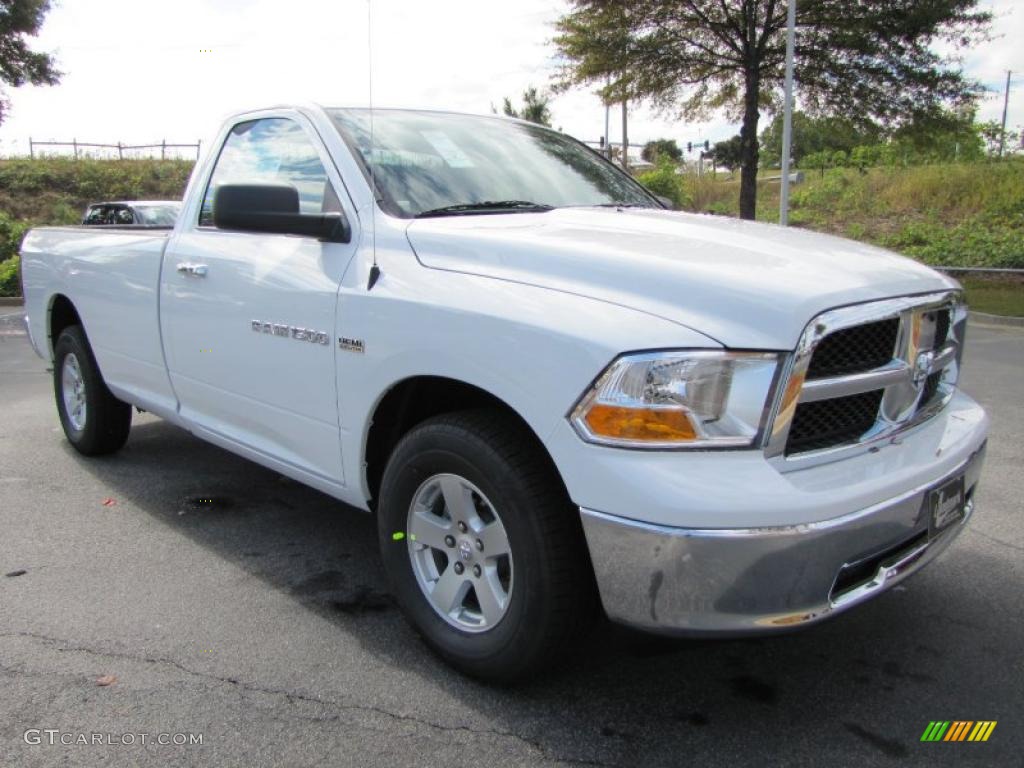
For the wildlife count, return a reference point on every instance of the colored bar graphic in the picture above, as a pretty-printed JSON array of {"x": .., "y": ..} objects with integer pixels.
[
  {"x": 958, "y": 730},
  {"x": 935, "y": 730},
  {"x": 982, "y": 730}
]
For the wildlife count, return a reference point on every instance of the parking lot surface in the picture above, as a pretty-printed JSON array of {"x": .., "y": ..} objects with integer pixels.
[{"x": 215, "y": 598}]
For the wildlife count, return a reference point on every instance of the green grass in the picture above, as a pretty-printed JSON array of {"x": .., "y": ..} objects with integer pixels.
[
  {"x": 995, "y": 296},
  {"x": 948, "y": 215}
]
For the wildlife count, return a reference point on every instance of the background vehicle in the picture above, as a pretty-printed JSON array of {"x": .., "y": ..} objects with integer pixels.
[
  {"x": 534, "y": 375},
  {"x": 146, "y": 213}
]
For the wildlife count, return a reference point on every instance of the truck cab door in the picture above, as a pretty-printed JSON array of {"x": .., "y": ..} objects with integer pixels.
[{"x": 248, "y": 318}]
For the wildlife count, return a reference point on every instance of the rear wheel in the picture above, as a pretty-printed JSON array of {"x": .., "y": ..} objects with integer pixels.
[
  {"x": 482, "y": 547},
  {"x": 94, "y": 421}
]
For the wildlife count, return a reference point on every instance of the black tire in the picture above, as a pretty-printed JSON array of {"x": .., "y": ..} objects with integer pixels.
[
  {"x": 107, "y": 420},
  {"x": 553, "y": 597}
]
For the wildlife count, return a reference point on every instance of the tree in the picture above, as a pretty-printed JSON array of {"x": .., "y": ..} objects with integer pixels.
[
  {"x": 821, "y": 159},
  {"x": 21, "y": 19},
  {"x": 816, "y": 134},
  {"x": 871, "y": 58},
  {"x": 661, "y": 148},
  {"x": 940, "y": 135},
  {"x": 728, "y": 153},
  {"x": 535, "y": 107},
  {"x": 991, "y": 133}
]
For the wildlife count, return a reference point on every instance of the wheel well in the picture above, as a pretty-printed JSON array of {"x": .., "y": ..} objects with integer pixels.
[
  {"x": 62, "y": 314},
  {"x": 413, "y": 401}
]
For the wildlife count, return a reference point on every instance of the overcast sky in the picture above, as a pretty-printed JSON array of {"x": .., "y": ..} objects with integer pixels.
[{"x": 141, "y": 70}]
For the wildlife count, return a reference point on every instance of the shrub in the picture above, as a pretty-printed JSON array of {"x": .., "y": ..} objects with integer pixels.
[
  {"x": 664, "y": 181},
  {"x": 975, "y": 243},
  {"x": 11, "y": 233},
  {"x": 9, "y": 277}
]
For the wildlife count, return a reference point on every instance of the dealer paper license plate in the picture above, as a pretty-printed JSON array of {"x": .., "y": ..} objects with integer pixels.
[{"x": 946, "y": 504}]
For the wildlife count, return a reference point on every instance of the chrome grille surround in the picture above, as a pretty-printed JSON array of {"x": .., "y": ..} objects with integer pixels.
[{"x": 904, "y": 379}]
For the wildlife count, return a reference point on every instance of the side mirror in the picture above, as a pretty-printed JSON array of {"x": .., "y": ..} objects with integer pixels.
[
  {"x": 274, "y": 208},
  {"x": 667, "y": 202}
]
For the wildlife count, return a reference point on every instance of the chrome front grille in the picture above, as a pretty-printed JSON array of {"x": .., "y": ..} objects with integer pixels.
[
  {"x": 856, "y": 349},
  {"x": 826, "y": 423},
  {"x": 866, "y": 372}
]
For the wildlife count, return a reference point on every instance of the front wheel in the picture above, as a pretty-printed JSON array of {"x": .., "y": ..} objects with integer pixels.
[
  {"x": 483, "y": 549},
  {"x": 94, "y": 421}
]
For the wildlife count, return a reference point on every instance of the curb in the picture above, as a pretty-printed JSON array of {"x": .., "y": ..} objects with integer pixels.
[
  {"x": 11, "y": 301},
  {"x": 1004, "y": 320}
]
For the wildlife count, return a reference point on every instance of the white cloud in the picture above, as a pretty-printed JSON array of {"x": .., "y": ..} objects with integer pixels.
[
  {"x": 990, "y": 62},
  {"x": 139, "y": 70}
]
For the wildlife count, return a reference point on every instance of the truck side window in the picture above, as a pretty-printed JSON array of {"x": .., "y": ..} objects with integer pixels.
[{"x": 273, "y": 150}]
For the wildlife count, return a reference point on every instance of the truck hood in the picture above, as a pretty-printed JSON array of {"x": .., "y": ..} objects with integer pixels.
[{"x": 742, "y": 283}]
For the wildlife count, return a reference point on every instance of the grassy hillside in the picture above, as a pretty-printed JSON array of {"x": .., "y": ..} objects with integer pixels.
[
  {"x": 969, "y": 215},
  {"x": 57, "y": 190}
]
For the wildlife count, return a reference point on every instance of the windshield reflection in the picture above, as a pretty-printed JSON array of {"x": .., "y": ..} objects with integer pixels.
[{"x": 424, "y": 161}]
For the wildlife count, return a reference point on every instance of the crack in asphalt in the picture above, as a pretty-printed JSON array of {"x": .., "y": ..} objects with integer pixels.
[{"x": 292, "y": 696}]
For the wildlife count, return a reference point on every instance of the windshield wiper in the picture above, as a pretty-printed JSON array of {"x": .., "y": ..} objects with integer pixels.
[{"x": 487, "y": 206}]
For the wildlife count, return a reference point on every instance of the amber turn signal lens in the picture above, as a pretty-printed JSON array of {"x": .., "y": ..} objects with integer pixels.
[
  {"x": 790, "y": 397},
  {"x": 662, "y": 424}
]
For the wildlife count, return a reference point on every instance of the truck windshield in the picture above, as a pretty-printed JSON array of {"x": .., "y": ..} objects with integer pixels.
[{"x": 432, "y": 163}]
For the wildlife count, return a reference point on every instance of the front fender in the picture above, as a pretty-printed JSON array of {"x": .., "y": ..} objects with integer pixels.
[{"x": 533, "y": 348}]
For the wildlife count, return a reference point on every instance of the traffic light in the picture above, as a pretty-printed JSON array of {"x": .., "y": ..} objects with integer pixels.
[
  {"x": 707, "y": 145},
  {"x": 689, "y": 146}
]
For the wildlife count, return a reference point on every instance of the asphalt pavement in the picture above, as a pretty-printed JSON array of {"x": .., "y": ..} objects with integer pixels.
[{"x": 176, "y": 592}]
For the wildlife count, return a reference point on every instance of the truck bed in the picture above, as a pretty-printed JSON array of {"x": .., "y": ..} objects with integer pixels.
[{"x": 111, "y": 275}]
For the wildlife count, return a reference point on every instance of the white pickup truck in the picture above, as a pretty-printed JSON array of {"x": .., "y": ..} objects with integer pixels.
[{"x": 548, "y": 389}]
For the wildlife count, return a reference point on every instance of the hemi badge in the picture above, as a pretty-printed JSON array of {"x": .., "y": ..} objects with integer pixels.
[{"x": 351, "y": 345}]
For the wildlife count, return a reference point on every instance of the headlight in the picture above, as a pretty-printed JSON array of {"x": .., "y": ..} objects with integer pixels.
[{"x": 679, "y": 400}]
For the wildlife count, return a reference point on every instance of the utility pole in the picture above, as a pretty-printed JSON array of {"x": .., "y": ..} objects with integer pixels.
[
  {"x": 1006, "y": 104},
  {"x": 787, "y": 115},
  {"x": 625, "y": 139}
]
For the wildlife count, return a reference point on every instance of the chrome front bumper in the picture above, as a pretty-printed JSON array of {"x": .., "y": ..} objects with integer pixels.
[{"x": 735, "y": 581}]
